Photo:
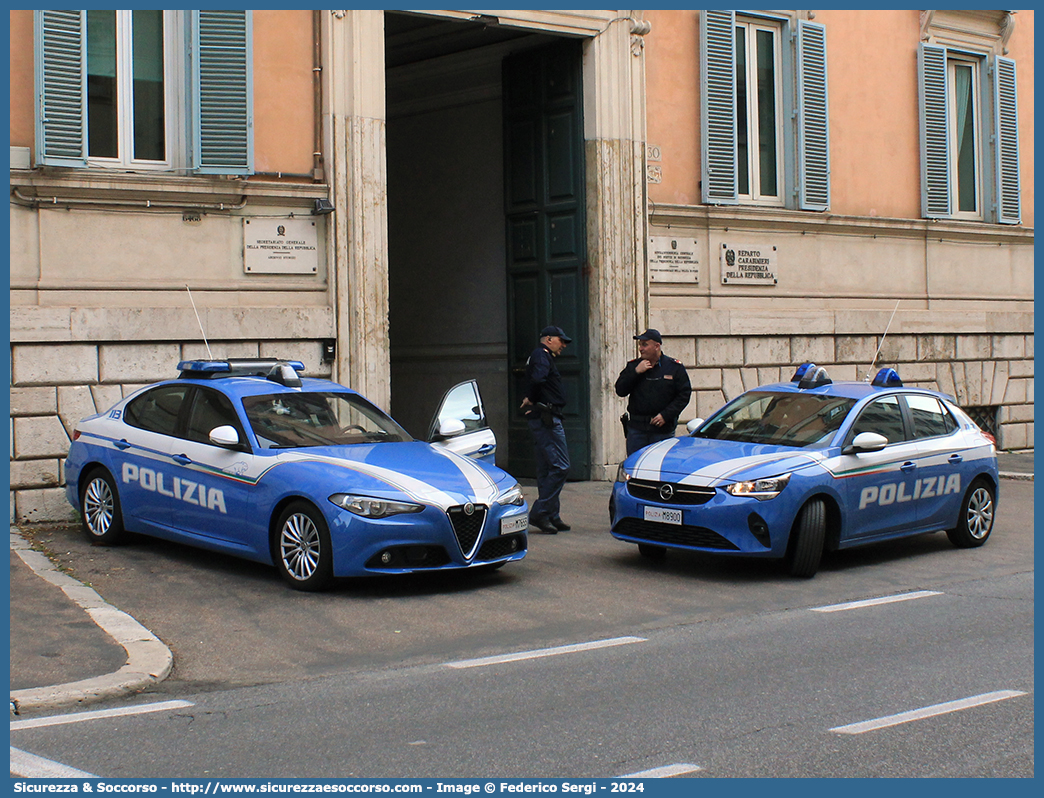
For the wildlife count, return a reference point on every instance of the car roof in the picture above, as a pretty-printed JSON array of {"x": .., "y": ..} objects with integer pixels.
[
  {"x": 256, "y": 386},
  {"x": 848, "y": 389}
]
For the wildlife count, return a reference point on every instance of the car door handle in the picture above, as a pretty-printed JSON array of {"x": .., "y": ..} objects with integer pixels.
[
  {"x": 955, "y": 459},
  {"x": 486, "y": 448},
  {"x": 181, "y": 459},
  {"x": 908, "y": 466},
  {"x": 122, "y": 444}
]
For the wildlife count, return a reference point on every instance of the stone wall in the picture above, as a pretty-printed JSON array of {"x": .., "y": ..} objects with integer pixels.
[{"x": 55, "y": 385}]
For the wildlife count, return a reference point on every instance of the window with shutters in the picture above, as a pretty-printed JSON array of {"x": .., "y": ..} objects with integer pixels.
[
  {"x": 144, "y": 90},
  {"x": 764, "y": 120},
  {"x": 968, "y": 118}
]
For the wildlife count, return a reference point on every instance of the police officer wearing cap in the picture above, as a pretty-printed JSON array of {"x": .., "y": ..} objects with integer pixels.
[
  {"x": 659, "y": 389},
  {"x": 542, "y": 403}
]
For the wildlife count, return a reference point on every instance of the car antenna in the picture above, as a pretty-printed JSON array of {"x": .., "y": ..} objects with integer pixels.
[
  {"x": 201, "y": 330},
  {"x": 887, "y": 326}
]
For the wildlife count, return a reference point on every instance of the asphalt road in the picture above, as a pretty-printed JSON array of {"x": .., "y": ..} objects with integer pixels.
[{"x": 723, "y": 665}]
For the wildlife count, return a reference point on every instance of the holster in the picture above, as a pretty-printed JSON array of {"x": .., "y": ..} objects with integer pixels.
[
  {"x": 547, "y": 414},
  {"x": 623, "y": 421}
]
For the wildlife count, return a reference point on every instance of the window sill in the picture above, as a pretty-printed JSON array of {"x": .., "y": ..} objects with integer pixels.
[
  {"x": 101, "y": 186},
  {"x": 749, "y": 217}
]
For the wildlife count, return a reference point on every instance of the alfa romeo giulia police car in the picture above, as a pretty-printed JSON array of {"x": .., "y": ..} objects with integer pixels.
[
  {"x": 788, "y": 470},
  {"x": 247, "y": 458}
]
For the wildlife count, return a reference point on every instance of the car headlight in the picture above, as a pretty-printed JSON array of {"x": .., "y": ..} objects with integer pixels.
[
  {"x": 760, "y": 489},
  {"x": 512, "y": 495},
  {"x": 621, "y": 474},
  {"x": 373, "y": 508}
]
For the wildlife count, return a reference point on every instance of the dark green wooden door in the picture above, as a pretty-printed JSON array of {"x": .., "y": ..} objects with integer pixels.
[{"x": 546, "y": 240}]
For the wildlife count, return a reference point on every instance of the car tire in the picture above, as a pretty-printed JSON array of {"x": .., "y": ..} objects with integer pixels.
[
  {"x": 303, "y": 553},
  {"x": 977, "y": 514},
  {"x": 100, "y": 508},
  {"x": 805, "y": 548},
  {"x": 651, "y": 552}
]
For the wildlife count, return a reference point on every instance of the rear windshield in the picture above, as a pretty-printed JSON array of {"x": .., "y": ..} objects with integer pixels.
[
  {"x": 781, "y": 419},
  {"x": 291, "y": 420}
]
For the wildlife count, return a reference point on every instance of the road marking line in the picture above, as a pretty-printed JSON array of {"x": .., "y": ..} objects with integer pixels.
[
  {"x": 543, "y": 652},
  {"x": 855, "y": 605},
  {"x": 30, "y": 766},
  {"x": 78, "y": 717},
  {"x": 662, "y": 773},
  {"x": 927, "y": 712}
]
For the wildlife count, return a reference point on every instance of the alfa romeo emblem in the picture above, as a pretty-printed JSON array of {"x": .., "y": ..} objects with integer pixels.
[
  {"x": 666, "y": 491},
  {"x": 469, "y": 509}
]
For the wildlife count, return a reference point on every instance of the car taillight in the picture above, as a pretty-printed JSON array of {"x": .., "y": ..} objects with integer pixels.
[
  {"x": 990, "y": 438},
  {"x": 76, "y": 434}
]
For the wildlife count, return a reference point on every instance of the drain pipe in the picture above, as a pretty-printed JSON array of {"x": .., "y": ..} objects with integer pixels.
[{"x": 317, "y": 93}]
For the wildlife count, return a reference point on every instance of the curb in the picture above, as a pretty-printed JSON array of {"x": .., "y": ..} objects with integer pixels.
[
  {"x": 148, "y": 659},
  {"x": 1015, "y": 475}
]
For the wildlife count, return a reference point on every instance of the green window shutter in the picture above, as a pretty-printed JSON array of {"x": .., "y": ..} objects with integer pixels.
[
  {"x": 934, "y": 125},
  {"x": 223, "y": 98},
  {"x": 813, "y": 120},
  {"x": 718, "y": 107},
  {"x": 61, "y": 87},
  {"x": 1006, "y": 137}
]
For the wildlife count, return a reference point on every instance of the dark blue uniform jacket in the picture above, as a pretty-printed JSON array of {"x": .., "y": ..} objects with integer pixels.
[
  {"x": 664, "y": 389},
  {"x": 543, "y": 382}
]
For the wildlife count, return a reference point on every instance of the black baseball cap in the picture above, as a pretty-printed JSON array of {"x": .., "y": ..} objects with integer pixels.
[
  {"x": 649, "y": 335},
  {"x": 555, "y": 332}
]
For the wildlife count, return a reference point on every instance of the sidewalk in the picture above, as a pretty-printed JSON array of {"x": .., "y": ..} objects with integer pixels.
[
  {"x": 69, "y": 647},
  {"x": 1015, "y": 465}
]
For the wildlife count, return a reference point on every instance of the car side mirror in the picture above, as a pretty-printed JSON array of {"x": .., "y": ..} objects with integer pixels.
[
  {"x": 866, "y": 442},
  {"x": 448, "y": 427},
  {"x": 225, "y": 436},
  {"x": 693, "y": 425}
]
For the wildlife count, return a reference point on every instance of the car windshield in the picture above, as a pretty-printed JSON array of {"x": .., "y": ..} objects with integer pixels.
[
  {"x": 781, "y": 419},
  {"x": 291, "y": 420}
]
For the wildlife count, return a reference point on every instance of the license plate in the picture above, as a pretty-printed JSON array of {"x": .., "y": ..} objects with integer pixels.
[
  {"x": 662, "y": 516},
  {"x": 516, "y": 523}
]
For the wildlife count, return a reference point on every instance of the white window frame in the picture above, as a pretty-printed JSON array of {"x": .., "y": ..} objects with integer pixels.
[
  {"x": 755, "y": 196},
  {"x": 953, "y": 60},
  {"x": 125, "y": 97}
]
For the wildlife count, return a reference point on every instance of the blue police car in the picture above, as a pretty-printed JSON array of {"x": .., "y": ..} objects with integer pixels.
[
  {"x": 792, "y": 469},
  {"x": 248, "y": 458}
]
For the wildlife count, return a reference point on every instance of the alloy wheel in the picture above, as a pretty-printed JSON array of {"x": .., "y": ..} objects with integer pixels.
[
  {"x": 299, "y": 546},
  {"x": 980, "y": 513},
  {"x": 98, "y": 506}
]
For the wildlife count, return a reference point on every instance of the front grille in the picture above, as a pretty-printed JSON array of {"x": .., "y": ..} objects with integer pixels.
[
  {"x": 467, "y": 528},
  {"x": 501, "y": 547},
  {"x": 673, "y": 534},
  {"x": 649, "y": 490}
]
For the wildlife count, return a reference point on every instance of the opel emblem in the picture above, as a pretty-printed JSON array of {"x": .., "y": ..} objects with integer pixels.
[
  {"x": 666, "y": 491},
  {"x": 469, "y": 509}
]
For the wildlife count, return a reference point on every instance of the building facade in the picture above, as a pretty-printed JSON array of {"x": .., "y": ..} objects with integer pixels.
[{"x": 402, "y": 201}]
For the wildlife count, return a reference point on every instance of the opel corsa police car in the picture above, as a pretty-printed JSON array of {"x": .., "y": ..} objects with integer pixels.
[
  {"x": 247, "y": 458},
  {"x": 791, "y": 469}
]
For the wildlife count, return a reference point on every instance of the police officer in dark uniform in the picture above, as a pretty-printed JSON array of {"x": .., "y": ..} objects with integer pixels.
[
  {"x": 542, "y": 403},
  {"x": 659, "y": 389}
]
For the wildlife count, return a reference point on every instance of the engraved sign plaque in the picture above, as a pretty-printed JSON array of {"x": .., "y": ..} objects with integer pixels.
[{"x": 280, "y": 246}]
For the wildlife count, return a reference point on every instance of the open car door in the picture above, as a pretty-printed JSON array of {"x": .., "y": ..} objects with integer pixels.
[{"x": 460, "y": 424}]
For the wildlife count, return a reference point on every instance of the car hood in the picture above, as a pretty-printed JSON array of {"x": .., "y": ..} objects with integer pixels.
[
  {"x": 419, "y": 471},
  {"x": 706, "y": 462}
]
